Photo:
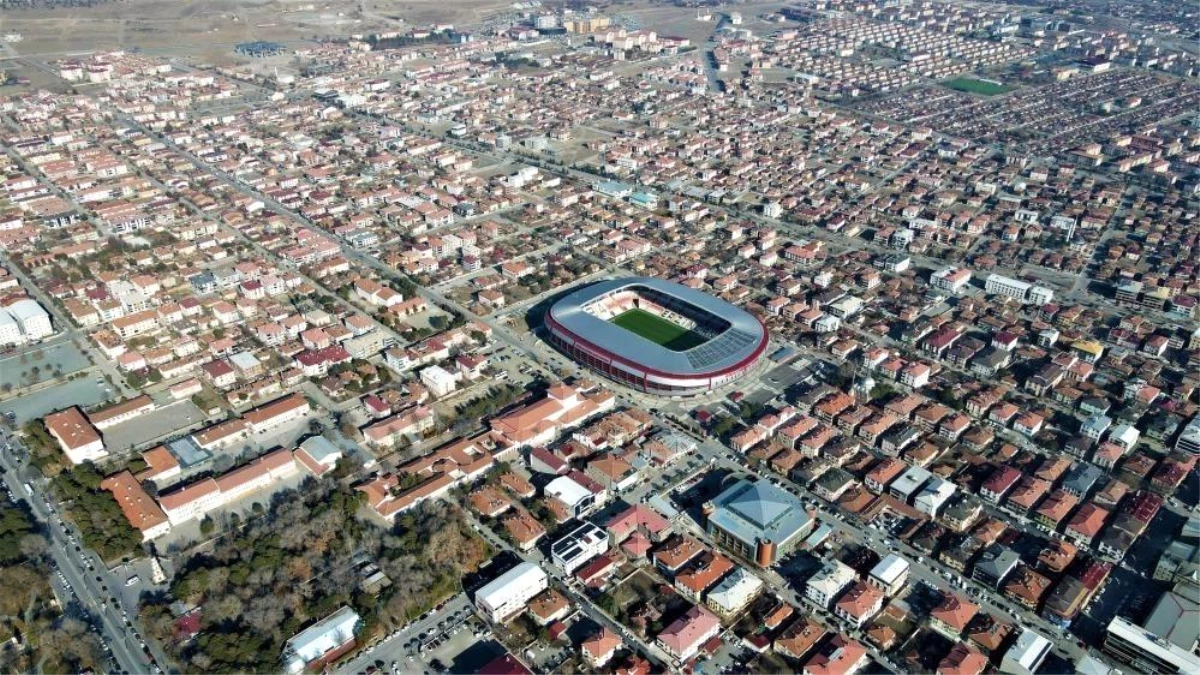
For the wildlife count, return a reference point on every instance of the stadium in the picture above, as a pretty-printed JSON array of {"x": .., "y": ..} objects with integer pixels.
[{"x": 656, "y": 336}]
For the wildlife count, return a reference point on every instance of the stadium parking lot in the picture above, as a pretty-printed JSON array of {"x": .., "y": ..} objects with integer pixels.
[{"x": 781, "y": 378}]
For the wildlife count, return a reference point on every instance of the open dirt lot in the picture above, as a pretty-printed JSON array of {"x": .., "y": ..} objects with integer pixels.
[{"x": 208, "y": 29}]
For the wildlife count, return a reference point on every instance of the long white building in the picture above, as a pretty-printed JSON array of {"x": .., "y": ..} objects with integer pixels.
[
  {"x": 1018, "y": 290},
  {"x": 331, "y": 635},
  {"x": 508, "y": 594},
  {"x": 198, "y": 499}
]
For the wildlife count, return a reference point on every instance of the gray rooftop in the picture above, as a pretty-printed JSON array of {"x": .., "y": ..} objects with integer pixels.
[
  {"x": 1081, "y": 478},
  {"x": 911, "y": 480},
  {"x": 758, "y": 510},
  {"x": 1154, "y": 645},
  {"x": 997, "y": 561},
  {"x": 1190, "y": 438},
  {"x": 744, "y": 335},
  {"x": 319, "y": 447},
  {"x": 1176, "y": 617}
]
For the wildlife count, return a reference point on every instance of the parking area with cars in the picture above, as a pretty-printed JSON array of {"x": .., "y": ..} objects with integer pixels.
[
  {"x": 463, "y": 647},
  {"x": 440, "y": 634},
  {"x": 133, "y": 579}
]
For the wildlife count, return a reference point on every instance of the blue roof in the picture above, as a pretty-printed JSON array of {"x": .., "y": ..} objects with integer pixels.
[
  {"x": 819, "y": 535},
  {"x": 758, "y": 510},
  {"x": 662, "y": 506},
  {"x": 188, "y": 452},
  {"x": 613, "y": 187}
]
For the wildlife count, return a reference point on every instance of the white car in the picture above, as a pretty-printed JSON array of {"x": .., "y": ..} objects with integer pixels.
[{"x": 132, "y": 580}]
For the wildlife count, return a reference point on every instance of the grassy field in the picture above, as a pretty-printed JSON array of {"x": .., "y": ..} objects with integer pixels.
[
  {"x": 974, "y": 86},
  {"x": 658, "y": 330}
]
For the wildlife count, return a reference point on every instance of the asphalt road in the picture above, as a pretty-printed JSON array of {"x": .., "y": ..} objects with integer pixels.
[{"x": 92, "y": 588}]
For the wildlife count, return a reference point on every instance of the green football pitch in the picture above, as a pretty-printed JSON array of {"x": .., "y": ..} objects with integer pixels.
[
  {"x": 974, "y": 86},
  {"x": 658, "y": 330}
]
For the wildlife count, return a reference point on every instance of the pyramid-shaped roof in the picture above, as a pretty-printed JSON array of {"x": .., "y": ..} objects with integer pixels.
[{"x": 756, "y": 511}]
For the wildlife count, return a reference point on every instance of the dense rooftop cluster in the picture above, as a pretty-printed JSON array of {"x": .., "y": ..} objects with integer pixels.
[{"x": 973, "y": 445}]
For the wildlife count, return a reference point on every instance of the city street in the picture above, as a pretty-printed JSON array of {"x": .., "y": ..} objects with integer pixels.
[
  {"x": 91, "y": 582},
  {"x": 929, "y": 268}
]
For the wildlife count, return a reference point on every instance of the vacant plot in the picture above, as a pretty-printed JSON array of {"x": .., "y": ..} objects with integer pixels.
[
  {"x": 974, "y": 86},
  {"x": 163, "y": 422},
  {"x": 658, "y": 330}
]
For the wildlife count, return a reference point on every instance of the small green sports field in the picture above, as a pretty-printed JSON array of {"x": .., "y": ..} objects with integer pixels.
[
  {"x": 975, "y": 86},
  {"x": 658, "y": 330}
]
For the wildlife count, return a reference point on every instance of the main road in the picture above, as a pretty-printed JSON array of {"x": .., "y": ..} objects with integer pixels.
[{"x": 86, "y": 574}]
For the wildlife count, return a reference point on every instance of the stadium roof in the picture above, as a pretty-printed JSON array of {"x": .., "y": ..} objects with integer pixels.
[{"x": 742, "y": 340}]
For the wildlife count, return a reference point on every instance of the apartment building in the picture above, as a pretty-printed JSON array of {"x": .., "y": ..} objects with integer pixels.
[
  {"x": 1018, "y": 290},
  {"x": 509, "y": 594}
]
